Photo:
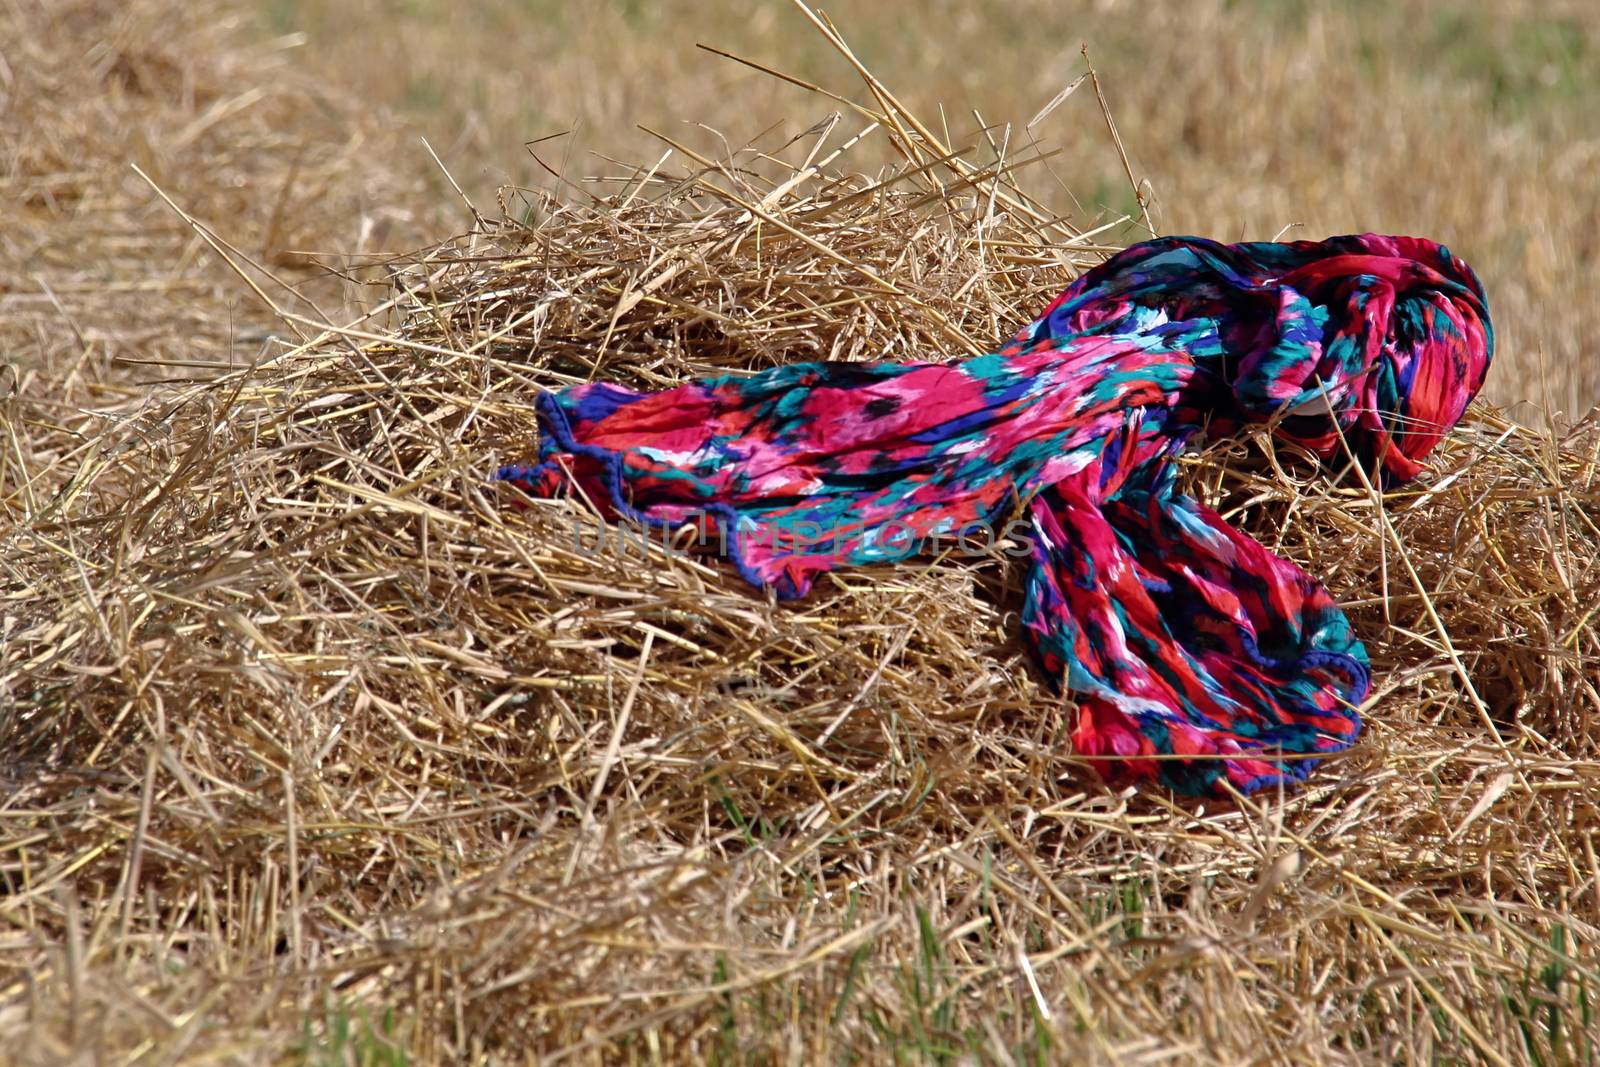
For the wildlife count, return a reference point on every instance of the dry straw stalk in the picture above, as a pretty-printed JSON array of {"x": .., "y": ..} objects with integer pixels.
[{"x": 314, "y": 742}]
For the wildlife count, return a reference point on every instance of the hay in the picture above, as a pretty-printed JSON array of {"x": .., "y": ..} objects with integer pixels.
[
  {"x": 313, "y": 741},
  {"x": 95, "y": 272}
]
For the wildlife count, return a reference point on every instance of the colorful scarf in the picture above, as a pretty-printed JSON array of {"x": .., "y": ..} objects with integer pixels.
[{"x": 1176, "y": 635}]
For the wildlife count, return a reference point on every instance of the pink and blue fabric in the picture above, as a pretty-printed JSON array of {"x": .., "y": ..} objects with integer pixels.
[{"x": 1194, "y": 655}]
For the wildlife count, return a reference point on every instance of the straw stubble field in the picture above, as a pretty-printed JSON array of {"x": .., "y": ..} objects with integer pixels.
[{"x": 317, "y": 749}]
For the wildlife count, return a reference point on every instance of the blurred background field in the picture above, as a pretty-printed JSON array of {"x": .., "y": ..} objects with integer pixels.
[
  {"x": 1477, "y": 124},
  {"x": 311, "y": 753}
]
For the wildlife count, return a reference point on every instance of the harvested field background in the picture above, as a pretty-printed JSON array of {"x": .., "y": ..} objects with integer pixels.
[
  {"x": 317, "y": 750},
  {"x": 1475, "y": 123}
]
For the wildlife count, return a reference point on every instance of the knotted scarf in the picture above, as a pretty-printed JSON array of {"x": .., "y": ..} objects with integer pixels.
[{"x": 1191, "y": 651}]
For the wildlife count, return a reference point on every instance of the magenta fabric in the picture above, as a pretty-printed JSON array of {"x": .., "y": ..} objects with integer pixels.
[{"x": 1194, "y": 654}]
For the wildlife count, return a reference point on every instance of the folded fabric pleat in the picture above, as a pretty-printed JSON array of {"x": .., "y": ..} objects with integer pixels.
[{"x": 1193, "y": 653}]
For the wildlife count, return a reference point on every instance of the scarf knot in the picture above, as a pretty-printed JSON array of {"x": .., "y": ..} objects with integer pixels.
[{"x": 1390, "y": 336}]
